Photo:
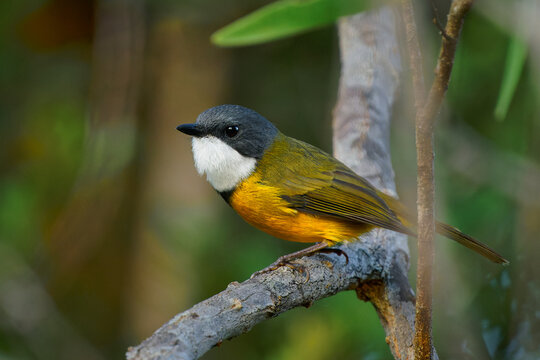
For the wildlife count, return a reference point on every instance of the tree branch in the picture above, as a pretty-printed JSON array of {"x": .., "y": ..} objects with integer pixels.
[
  {"x": 425, "y": 183},
  {"x": 378, "y": 264}
]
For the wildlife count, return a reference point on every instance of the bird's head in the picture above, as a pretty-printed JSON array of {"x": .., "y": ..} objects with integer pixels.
[{"x": 228, "y": 140}]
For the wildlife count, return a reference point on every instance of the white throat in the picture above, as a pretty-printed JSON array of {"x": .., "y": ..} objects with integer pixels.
[{"x": 224, "y": 167}]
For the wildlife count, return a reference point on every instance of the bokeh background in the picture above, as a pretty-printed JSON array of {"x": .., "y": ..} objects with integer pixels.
[{"x": 106, "y": 231}]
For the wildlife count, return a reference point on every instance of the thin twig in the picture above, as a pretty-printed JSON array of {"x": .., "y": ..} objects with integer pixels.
[{"x": 426, "y": 187}]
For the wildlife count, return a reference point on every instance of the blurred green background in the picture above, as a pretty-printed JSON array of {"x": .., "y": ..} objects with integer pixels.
[{"x": 106, "y": 231}]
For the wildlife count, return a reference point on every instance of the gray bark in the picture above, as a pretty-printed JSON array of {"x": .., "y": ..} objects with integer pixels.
[{"x": 378, "y": 263}]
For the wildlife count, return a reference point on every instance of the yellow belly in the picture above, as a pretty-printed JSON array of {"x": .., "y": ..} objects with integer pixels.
[{"x": 261, "y": 206}]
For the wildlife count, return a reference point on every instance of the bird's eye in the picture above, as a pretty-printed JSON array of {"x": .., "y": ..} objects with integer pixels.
[{"x": 231, "y": 131}]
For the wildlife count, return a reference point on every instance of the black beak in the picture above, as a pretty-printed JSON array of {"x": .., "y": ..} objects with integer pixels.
[{"x": 190, "y": 129}]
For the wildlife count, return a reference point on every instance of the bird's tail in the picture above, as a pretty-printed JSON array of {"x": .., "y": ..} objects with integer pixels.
[
  {"x": 445, "y": 230},
  {"x": 470, "y": 242}
]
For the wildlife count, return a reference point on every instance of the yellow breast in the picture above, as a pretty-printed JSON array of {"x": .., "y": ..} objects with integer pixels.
[{"x": 261, "y": 206}]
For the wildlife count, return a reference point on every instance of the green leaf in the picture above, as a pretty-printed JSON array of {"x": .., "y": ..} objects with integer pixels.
[
  {"x": 285, "y": 18},
  {"x": 515, "y": 61}
]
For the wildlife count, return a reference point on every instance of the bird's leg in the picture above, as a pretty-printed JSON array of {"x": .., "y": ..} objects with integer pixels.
[{"x": 285, "y": 260}]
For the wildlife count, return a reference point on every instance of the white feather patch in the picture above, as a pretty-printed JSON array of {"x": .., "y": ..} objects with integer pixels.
[{"x": 224, "y": 166}]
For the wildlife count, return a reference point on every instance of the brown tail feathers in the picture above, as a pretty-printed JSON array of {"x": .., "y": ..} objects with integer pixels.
[
  {"x": 445, "y": 230},
  {"x": 468, "y": 241}
]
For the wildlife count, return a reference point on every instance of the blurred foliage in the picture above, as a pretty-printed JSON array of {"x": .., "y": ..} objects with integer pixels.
[
  {"x": 155, "y": 239},
  {"x": 515, "y": 61}
]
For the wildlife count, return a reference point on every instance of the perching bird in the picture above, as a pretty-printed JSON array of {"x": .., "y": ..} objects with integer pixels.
[{"x": 293, "y": 190}]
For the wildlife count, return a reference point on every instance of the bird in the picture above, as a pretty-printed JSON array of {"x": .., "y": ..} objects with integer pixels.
[{"x": 293, "y": 190}]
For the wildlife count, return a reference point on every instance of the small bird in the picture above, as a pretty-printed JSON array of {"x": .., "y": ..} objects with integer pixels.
[{"x": 293, "y": 190}]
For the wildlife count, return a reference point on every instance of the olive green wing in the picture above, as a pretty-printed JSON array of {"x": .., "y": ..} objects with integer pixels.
[
  {"x": 333, "y": 190},
  {"x": 347, "y": 199}
]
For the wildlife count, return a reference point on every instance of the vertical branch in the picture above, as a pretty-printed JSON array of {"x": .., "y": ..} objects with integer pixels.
[
  {"x": 426, "y": 233},
  {"x": 426, "y": 187},
  {"x": 370, "y": 75}
]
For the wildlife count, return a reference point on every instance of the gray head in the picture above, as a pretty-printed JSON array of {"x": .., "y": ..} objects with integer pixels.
[
  {"x": 241, "y": 128},
  {"x": 228, "y": 140}
]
